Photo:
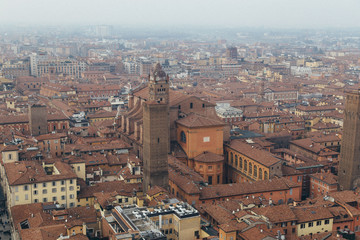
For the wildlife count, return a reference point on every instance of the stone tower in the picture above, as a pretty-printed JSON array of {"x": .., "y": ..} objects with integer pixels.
[
  {"x": 349, "y": 168},
  {"x": 156, "y": 126},
  {"x": 38, "y": 119}
]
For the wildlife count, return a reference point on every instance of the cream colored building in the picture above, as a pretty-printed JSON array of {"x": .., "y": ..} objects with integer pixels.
[
  {"x": 313, "y": 220},
  {"x": 177, "y": 221},
  {"x": 79, "y": 168},
  {"x": 31, "y": 182}
]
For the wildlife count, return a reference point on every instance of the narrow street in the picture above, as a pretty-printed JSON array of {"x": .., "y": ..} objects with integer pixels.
[{"x": 5, "y": 225}]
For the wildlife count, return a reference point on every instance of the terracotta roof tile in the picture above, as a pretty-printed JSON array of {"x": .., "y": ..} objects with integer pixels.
[
  {"x": 194, "y": 120},
  {"x": 259, "y": 155},
  {"x": 27, "y": 172},
  {"x": 209, "y": 157},
  {"x": 307, "y": 214},
  {"x": 238, "y": 189}
]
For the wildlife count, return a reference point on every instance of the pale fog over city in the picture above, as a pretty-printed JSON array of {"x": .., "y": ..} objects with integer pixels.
[{"x": 179, "y": 120}]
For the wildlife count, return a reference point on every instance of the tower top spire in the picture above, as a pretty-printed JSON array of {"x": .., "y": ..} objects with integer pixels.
[
  {"x": 158, "y": 74},
  {"x": 158, "y": 85}
]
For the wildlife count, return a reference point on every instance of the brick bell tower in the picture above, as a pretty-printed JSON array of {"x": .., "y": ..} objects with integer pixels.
[
  {"x": 156, "y": 130},
  {"x": 349, "y": 165}
]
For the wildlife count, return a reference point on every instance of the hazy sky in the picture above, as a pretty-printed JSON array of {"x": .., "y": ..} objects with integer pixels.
[{"x": 233, "y": 13}]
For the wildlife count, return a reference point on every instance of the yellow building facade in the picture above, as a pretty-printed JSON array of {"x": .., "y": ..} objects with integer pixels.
[
  {"x": 63, "y": 192},
  {"x": 29, "y": 182},
  {"x": 313, "y": 227},
  {"x": 244, "y": 168},
  {"x": 174, "y": 226}
]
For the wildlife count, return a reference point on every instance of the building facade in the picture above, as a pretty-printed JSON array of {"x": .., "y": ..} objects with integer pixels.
[{"x": 31, "y": 182}]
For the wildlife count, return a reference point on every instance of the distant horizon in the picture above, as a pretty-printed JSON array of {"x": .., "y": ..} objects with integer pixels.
[
  {"x": 278, "y": 14},
  {"x": 175, "y": 28}
]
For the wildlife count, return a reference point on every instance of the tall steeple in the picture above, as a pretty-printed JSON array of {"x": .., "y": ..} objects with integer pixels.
[
  {"x": 349, "y": 167},
  {"x": 156, "y": 131}
]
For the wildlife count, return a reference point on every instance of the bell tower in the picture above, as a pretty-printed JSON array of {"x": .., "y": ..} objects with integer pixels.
[
  {"x": 349, "y": 165},
  {"x": 159, "y": 85},
  {"x": 156, "y": 130}
]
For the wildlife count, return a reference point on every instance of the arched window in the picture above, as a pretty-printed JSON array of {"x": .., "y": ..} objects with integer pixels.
[
  {"x": 236, "y": 160},
  {"x": 255, "y": 171},
  {"x": 183, "y": 137},
  {"x": 250, "y": 168},
  {"x": 260, "y": 173},
  {"x": 245, "y": 165},
  {"x": 265, "y": 175},
  {"x": 191, "y": 105},
  {"x": 231, "y": 158},
  {"x": 241, "y": 163}
]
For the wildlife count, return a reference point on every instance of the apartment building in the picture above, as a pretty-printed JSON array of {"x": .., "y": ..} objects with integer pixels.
[{"x": 31, "y": 182}]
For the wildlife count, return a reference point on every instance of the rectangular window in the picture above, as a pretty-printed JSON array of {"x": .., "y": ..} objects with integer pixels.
[
  {"x": 44, "y": 184},
  {"x": 71, "y": 196},
  {"x": 44, "y": 199},
  {"x": 35, "y": 185},
  {"x": 209, "y": 180},
  {"x": 71, "y": 181},
  {"x": 63, "y": 189},
  {"x": 26, "y": 187},
  {"x": 62, "y": 197},
  {"x": 62, "y": 182},
  {"x": 327, "y": 221},
  {"x": 291, "y": 191},
  {"x": 310, "y": 224},
  {"x": 44, "y": 191},
  {"x": 36, "y": 200},
  {"x": 17, "y": 198},
  {"x": 206, "y": 139},
  {"x": 54, "y": 199},
  {"x": 71, "y": 188},
  {"x": 53, "y": 190},
  {"x": 35, "y": 192},
  {"x": 302, "y": 225},
  {"x": 54, "y": 184},
  {"x": 318, "y": 223}
]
